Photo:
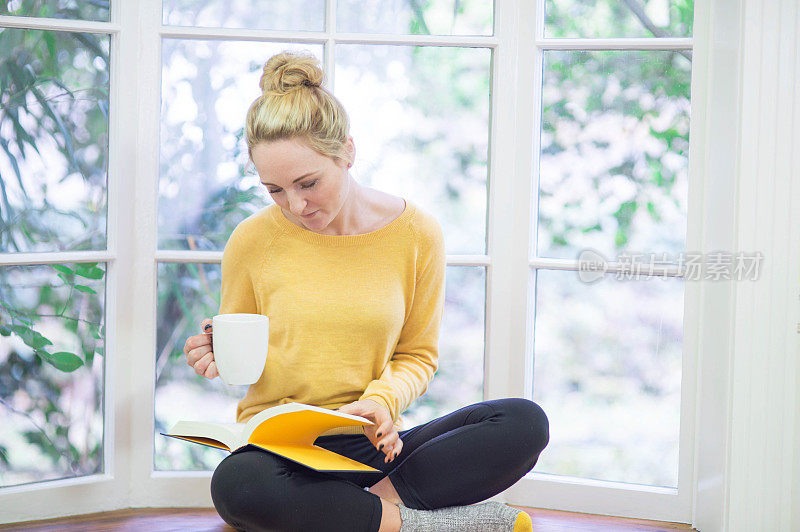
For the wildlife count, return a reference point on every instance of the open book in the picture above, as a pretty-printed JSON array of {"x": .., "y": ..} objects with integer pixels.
[{"x": 288, "y": 430}]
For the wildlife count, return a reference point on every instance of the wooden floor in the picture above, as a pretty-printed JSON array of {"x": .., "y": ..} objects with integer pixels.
[{"x": 207, "y": 520}]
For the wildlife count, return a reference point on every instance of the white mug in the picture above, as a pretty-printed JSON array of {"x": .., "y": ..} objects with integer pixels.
[{"x": 240, "y": 343}]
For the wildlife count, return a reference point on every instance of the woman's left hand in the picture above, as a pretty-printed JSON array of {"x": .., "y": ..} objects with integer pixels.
[{"x": 383, "y": 433}]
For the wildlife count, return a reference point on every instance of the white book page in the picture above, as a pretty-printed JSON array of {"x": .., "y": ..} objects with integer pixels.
[{"x": 228, "y": 433}]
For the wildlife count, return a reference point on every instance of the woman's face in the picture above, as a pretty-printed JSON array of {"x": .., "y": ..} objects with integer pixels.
[{"x": 310, "y": 186}]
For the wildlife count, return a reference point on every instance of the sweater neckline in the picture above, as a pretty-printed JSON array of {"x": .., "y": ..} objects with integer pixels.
[{"x": 313, "y": 237}]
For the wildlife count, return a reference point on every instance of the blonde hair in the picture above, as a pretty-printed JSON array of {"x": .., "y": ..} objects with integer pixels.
[{"x": 294, "y": 104}]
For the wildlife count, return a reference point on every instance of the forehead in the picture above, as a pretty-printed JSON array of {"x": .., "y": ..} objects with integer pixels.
[
  {"x": 285, "y": 160},
  {"x": 281, "y": 151}
]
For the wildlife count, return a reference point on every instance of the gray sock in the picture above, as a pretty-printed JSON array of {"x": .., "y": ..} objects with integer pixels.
[{"x": 490, "y": 516}]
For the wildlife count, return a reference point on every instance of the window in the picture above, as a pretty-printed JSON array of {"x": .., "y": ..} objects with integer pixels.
[
  {"x": 54, "y": 134},
  {"x": 420, "y": 120},
  {"x": 613, "y": 169},
  {"x": 533, "y": 131}
]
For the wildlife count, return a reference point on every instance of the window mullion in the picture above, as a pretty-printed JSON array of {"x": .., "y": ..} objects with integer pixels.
[
  {"x": 511, "y": 116},
  {"x": 58, "y": 24},
  {"x": 631, "y": 43},
  {"x": 136, "y": 352}
]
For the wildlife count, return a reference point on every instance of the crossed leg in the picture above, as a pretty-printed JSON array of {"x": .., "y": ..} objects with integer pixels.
[{"x": 458, "y": 459}]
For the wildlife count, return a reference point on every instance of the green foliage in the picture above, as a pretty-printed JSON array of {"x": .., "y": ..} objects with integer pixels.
[
  {"x": 43, "y": 95},
  {"x": 85, "y": 9},
  {"x": 39, "y": 90},
  {"x": 615, "y": 87},
  {"x": 43, "y": 99},
  {"x": 618, "y": 18},
  {"x": 64, "y": 361},
  {"x": 64, "y": 309}
]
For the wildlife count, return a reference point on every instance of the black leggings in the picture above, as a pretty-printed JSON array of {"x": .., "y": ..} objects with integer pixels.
[{"x": 458, "y": 459}]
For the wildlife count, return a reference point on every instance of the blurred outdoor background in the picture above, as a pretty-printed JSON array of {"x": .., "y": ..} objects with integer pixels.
[{"x": 612, "y": 177}]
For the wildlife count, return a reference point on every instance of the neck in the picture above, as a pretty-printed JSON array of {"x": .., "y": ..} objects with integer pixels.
[{"x": 351, "y": 216}]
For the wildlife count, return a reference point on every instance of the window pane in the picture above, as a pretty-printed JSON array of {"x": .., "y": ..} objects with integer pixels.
[
  {"x": 608, "y": 374},
  {"x": 70, "y": 9},
  {"x": 51, "y": 371},
  {"x": 204, "y": 186},
  {"x": 187, "y": 293},
  {"x": 420, "y": 122},
  {"x": 614, "y": 152},
  {"x": 432, "y": 17},
  {"x": 304, "y": 15},
  {"x": 612, "y": 18},
  {"x": 459, "y": 379},
  {"x": 53, "y": 140}
]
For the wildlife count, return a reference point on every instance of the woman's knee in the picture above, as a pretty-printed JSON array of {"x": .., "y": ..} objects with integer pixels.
[
  {"x": 245, "y": 489},
  {"x": 528, "y": 420}
]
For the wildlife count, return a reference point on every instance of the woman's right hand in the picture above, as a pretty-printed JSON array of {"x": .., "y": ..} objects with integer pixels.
[{"x": 199, "y": 354}]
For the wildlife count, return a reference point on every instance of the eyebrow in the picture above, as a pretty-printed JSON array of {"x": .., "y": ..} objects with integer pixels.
[{"x": 296, "y": 180}]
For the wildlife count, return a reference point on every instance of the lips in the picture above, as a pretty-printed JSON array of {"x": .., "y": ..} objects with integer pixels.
[{"x": 309, "y": 215}]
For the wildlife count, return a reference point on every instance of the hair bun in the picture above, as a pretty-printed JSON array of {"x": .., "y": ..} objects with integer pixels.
[{"x": 288, "y": 70}]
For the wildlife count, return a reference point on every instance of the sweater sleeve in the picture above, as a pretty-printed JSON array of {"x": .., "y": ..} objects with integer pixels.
[
  {"x": 416, "y": 355},
  {"x": 237, "y": 293}
]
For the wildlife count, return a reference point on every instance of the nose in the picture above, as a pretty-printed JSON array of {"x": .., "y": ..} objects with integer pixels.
[{"x": 297, "y": 204}]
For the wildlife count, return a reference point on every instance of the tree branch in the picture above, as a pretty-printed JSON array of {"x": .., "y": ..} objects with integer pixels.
[
  {"x": 33, "y": 422},
  {"x": 637, "y": 10}
]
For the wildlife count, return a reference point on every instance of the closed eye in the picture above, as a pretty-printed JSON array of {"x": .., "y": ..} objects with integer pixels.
[{"x": 304, "y": 185}]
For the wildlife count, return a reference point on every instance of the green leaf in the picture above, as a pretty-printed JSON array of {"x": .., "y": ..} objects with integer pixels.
[
  {"x": 31, "y": 338},
  {"x": 620, "y": 239},
  {"x": 64, "y": 361},
  {"x": 595, "y": 227},
  {"x": 81, "y": 288},
  {"x": 45, "y": 446},
  {"x": 89, "y": 271},
  {"x": 19, "y": 329},
  {"x": 68, "y": 148},
  {"x": 23, "y": 319},
  {"x": 651, "y": 208},
  {"x": 88, "y": 356},
  {"x": 50, "y": 42},
  {"x": 93, "y": 330},
  {"x": 71, "y": 325},
  {"x": 38, "y": 341},
  {"x": 63, "y": 269},
  {"x": 4, "y": 455},
  {"x": 13, "y": 160}
]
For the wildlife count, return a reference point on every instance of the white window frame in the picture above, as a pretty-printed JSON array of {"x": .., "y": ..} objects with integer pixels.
[
  {"x": 514, "y": 375},
  {"x": 714, "y": 467},
  {"x": 108, "y": 490}
]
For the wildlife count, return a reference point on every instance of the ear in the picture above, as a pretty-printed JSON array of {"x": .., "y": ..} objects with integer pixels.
[{"x": 350, "y": 149}]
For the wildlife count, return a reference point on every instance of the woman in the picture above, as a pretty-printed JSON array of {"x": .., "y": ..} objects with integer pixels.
[{"x": 353, "y": 282}]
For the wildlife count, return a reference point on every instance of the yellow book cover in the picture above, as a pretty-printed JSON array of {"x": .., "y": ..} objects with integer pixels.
[{"x": 288, "y": 430}]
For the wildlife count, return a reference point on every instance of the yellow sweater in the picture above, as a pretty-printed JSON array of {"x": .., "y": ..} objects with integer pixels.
[{"x": 351, "y": 317}]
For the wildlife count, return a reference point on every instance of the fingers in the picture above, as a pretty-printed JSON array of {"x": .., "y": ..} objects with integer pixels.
[
  {"x": 388, "y": 441},
  {"x": 193, "y": 356},
  {"x": 202, "y": 365},
  {"x": 198, "y": 351},
  {"x": 394, "y": 447},
  {"x": 211, "y": 371},
  {"x": 383, "y": 433},
  {"x": 193, "y": 342}
]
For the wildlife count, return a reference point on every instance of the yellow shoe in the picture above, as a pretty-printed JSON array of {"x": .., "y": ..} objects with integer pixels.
[{"x": 523, "y": 523}]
